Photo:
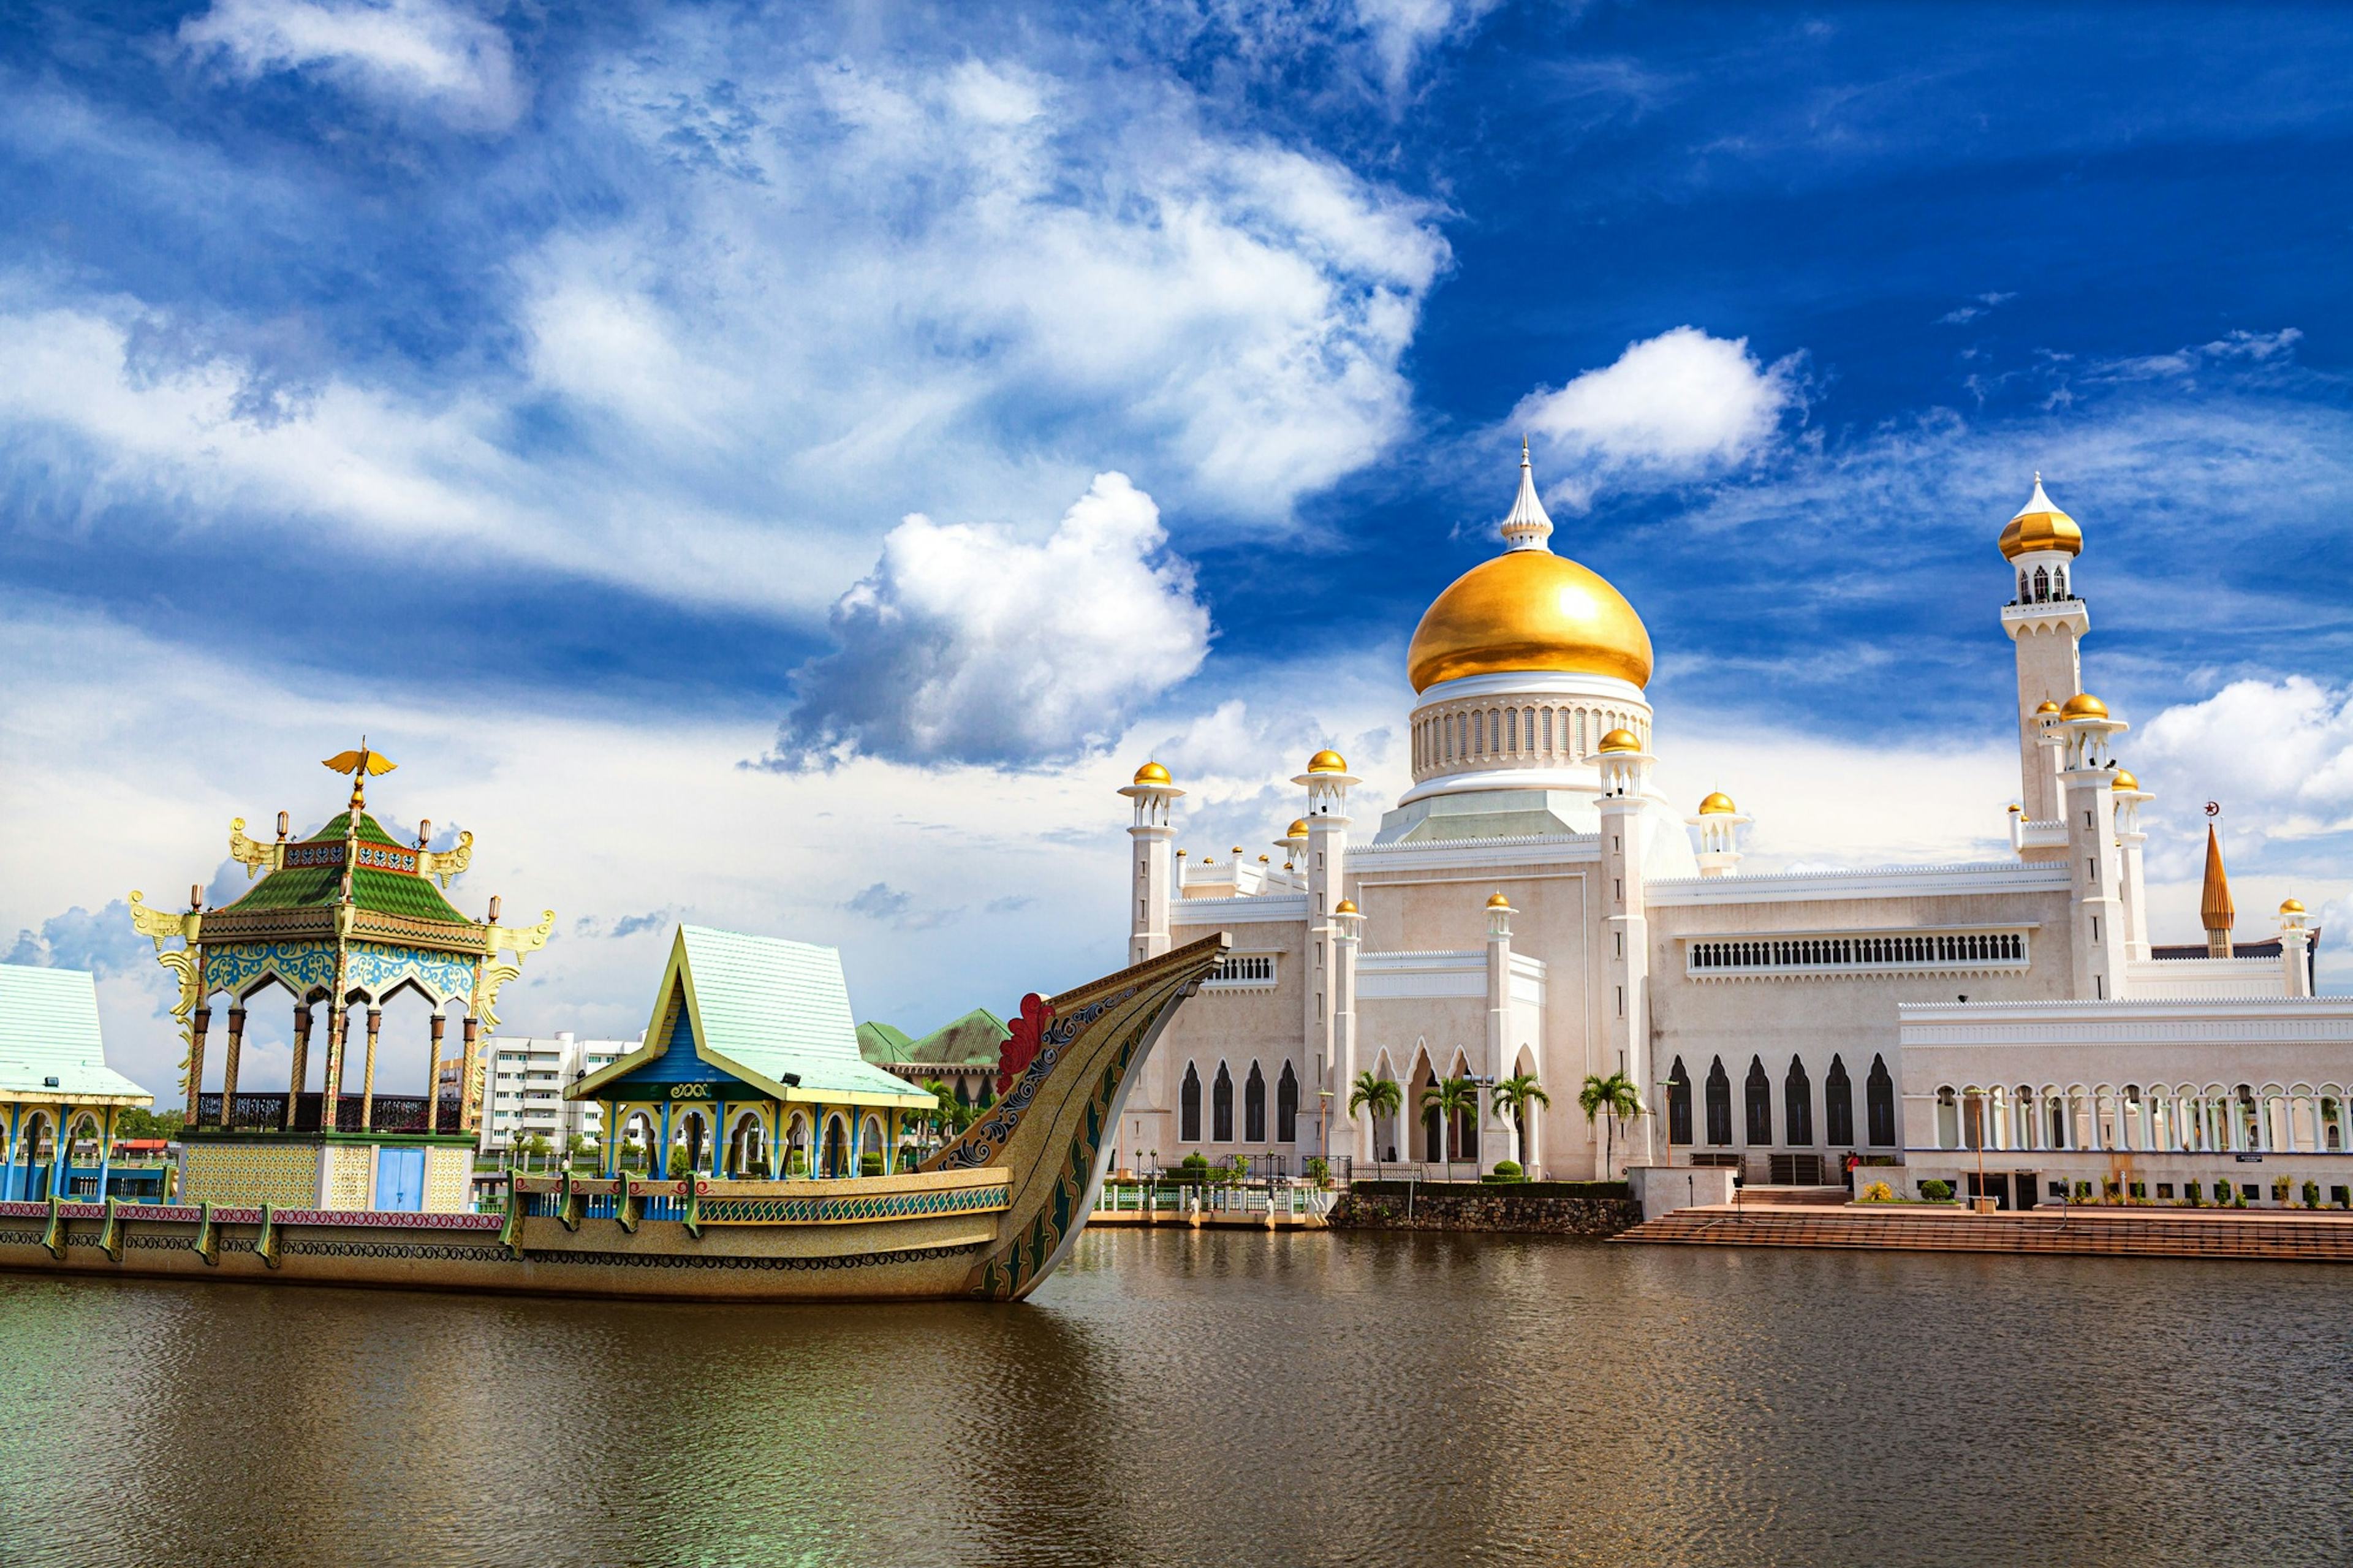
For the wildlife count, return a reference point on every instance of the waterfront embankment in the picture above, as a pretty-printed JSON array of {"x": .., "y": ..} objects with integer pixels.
[
  {"x": 1549, "y": 1208},
  {"x": 2266, "y": 1234}
]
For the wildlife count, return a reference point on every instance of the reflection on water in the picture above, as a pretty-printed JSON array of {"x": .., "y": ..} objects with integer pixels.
[{"x": 1214, "y": 1398}]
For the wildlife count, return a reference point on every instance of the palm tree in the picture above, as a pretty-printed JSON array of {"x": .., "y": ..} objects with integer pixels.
[
  {"x": 1382, "y": 1097},
  {"x": 1512, "y": 1097},
  {"x": 1450, "y": 1098},
  {"x": 1613, "y": 1097}
]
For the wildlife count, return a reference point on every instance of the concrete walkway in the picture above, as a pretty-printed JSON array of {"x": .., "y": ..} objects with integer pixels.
[{"x": 2283, "y": 1235}]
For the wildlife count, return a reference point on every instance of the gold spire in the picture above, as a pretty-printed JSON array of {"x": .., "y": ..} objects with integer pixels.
[
  {"x": 2214, "y": 911},
  {"x": 363, "y": 766}
]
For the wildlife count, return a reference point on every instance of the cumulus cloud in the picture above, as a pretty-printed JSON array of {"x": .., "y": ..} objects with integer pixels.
[
  {"x": 105, "y": 943},
  {"x": 1679, "y": 407},
  {"x": 437, "y": 56},
  {"x": 968, "y": 644},
  {"x": 2276, "y": 756}
]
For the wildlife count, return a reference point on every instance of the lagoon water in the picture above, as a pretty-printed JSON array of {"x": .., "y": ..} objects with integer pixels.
[{"x": 1211, "y": 1397}]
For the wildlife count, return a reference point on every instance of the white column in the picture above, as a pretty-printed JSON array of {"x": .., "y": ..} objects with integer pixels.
[{"x": 1150, "y": 873}]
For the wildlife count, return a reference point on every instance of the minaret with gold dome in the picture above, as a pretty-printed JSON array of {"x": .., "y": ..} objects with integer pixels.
[
  {"x": 2046, "y": 622},
  {"x": 1522, "y": 665}
]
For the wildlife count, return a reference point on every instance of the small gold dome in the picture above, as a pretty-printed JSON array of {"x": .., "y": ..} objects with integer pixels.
[
  {"x": 2039, "y": 525},
  {"x": 2124, "y": 780},
  {"x": 1327, "y": 761},
  {"x": 1718, "y": 804},
  {"x": 1529, "y": 610},
  {"x": 2083, "y": 705},
  {"x": 2047, "y": 707},
  {"x": 1344, "y": 907},
  {"x": 2291, "y": 906},
  {"x": 1297, "y": 829},
  {"x": 1151, "y": 773},
  {"x": 1499, "y": 902},
  {"x": 2016, "y": 809},
  {"x": 1619, "y": 741},
  {"x": 1262, "y": 860}
]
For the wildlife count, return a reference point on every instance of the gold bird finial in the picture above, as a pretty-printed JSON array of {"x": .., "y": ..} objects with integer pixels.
[{"x": 363, "y": 766}]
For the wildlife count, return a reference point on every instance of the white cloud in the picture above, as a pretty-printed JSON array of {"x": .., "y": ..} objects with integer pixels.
[
  {"x": 2276, "y": 756},
  {"x": 1402, "y": 31},
  {"x": 819, "y": 298},
  {"x": 968, "y": 644},
  {"x": 1678, "y": 407},
  {"x": 1964, "y": 314},
  {"x": 439, "y": 56}
]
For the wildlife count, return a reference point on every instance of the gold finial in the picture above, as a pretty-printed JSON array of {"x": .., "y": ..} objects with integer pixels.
[
  {"x": 1523, "y": 449},
  {"x": 196, "y": 894},
  {"x": 2038, "y": 476},
  {"x": 284, "y": 822},
  {"x": 363, "y": 766}
]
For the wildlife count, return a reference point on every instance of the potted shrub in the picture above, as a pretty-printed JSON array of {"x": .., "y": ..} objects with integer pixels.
[
  {"x": 1937, "y": 1192},
  {"x": 1505, "y": 1170},
  {"x": 2279, "y": 1189},
  {"x": 2082, "y": 1192},
  {"x": 1319, "y": 1171},
  {"x": 2194, "y": 1195},
  {"x": 2221, "y": 1192},
  {"x": 2312, "y": 1195},
  {"x": 1877, "y": 1193}
]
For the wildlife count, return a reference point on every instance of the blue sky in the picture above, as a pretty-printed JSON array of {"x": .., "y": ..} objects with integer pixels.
[{"x": 549, "y": 390}]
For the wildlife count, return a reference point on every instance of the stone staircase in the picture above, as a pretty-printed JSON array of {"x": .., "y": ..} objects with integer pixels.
[{"x": 2281, "y": 1235}]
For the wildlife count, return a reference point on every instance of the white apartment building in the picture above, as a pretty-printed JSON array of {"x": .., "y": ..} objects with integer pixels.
[{"x": 524, "y": 1080}]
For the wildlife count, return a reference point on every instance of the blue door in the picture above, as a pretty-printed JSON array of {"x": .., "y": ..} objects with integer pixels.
[{"x": 400, "y": 1179}]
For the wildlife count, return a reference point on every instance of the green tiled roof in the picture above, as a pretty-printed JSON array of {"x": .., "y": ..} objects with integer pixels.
[
  {"x": 780, "y": 1010},
  {"x": 386, "y": 892},
  {"x": 371, "y": 831},
  {"x": 972, "y": 1040},
  {"x": 48, "y": 1028},
  {"x": 881, "y": 1044}
]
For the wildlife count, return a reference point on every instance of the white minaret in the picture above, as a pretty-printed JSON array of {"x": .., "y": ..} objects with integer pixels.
[
  {"x": 1154, "y": 878},
  {"x": 1326, "y": 782},
  {"x": 1340, "y": 1135},
  {"x": 2087, "y": 777},
  {"x": 1719, "y": 823},
  {"x": 1499, "y": 1018},
  {"x": 2129, "y": 798},
  {"x": 2295, "y": 947},
  {"x": 1626, "y": 992},
  {"x": 2047, "y": 622}
]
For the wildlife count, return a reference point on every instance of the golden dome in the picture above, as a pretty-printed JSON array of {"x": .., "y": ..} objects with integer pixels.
[
  {"x": 2039, "y": 525},
  {"x": 1261, "y": 860},
  {"x": 2291, "y": 906},
  {"x": 1619, "y": 741},
  {"x": 2083, "y": 705},
  {"x": 1499, "y": 902},
  {"x": 1327, "y": 761},
  {"x": 1344, "y": 907},
  {"x": 1297, "y": 829},
  {"x": 2124, "y": 780},
  {"x": 1529, "y": 610},
  {"x": 1718, "y": 804},
  {"x": 1151, "y": 773},
  {"x": 2047, "y": 707}
]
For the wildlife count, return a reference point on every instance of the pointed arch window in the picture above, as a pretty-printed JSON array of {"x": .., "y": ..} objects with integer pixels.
[
  {"x": 2059, "y": 582},
  {"x": 1433, "y": 1136},
  {"x": 1254, "y": 1107},
  {"x": 1798, "y": 1105},
  {"x": 1837, "y": 1106},
  {"x": 1719, "y": 1105},
  {"x": 1286, "y": 1107},
  {"x": 2042, "y": 585},
  {"x": 1679, "y": 1104},
  {"x": 1189, "y": 1106},
  {"x": 1757, "y": 1100},
  {"x": 1879, "y": 1104},
  {"x": 1221, "y": 1107}
]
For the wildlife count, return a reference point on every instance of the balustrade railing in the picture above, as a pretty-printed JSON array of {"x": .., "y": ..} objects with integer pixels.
[{"x": 266, "y": 1112}]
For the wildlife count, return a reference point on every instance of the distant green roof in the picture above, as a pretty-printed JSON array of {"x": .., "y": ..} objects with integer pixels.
[
  {"x": 762, "y": 1008},
  {"x": 48, "y": 1028},
  {"x": 973, "y": 1039},
  {"x": 881, "y": 1044}
]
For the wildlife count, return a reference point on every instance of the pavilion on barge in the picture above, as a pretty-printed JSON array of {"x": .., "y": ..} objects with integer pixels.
[
  {"x": 346, "y": 918},
  {"x": 751, "y": 1064},
  {"x": 59, "y": 1101}
]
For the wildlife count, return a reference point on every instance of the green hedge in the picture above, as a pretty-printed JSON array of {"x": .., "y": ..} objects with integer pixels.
[{"x": 1604, "y": 1191}]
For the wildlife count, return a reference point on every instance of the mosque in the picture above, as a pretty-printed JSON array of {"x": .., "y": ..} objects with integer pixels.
[{"x": 1534, "y": 907}]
